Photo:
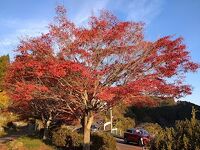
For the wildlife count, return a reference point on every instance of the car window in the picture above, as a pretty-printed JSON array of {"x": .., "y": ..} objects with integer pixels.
[
  {"x": 129, "y": 131},
  {"x": 93, "y": 127},
  {"x": 144, "y": 132},
  {"x": 138, "y": 131}
]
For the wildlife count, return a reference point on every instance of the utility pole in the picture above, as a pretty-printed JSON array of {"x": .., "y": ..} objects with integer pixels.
[{"x": 111, "y": 120}]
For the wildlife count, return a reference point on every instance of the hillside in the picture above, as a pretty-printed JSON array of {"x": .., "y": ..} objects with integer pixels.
[{"x": 163, "y": 115}]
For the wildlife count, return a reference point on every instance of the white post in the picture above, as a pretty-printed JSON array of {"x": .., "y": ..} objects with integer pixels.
[{"x": 111, "y": 120}]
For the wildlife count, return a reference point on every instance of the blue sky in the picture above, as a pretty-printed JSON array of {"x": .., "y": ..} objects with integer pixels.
[{"x": 19, "y": 18}]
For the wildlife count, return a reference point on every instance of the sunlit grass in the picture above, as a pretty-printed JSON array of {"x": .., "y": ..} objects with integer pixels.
[{"x": 27, "y": 143}]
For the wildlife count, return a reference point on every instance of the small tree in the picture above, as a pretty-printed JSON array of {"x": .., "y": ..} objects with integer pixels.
[
  {"x": 92, "y": 68},
  {"x": 4, "y": 100},
  {"x": 50, "y": 111},
  {"x": 4, "y": 62}
]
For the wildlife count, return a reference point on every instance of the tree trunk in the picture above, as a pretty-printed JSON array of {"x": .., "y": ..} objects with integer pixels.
[
  {"x": 46, "y": 129},
  {"x": 88, "y": 120},
  {"x": 45, "y": 133}
]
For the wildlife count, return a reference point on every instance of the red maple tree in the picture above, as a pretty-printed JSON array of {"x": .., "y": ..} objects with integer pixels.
[{"x": 90, "y": 69}]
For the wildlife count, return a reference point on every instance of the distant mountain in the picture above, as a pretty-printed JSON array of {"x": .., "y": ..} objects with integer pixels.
[{"x": 163, "y": 115}]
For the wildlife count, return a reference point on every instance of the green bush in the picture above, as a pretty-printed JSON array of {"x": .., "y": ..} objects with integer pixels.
[
  {"x": 152, "y": 128},
  {"x": 102, "y": 141},
  {"x": 164, "y": 140},
  {"x": 124, "y": 123},
  {"x": 185, "y": 136},
  {"x": 64, "y": 137},
  {"x": 2, "y": 131},
  {"x": 5, "y": 118}
]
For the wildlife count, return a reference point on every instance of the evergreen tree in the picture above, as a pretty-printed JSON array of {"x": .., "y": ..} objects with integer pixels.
[{"x": 4, "y": 62}]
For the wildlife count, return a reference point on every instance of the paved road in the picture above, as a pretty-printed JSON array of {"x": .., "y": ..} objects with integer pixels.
[
  {"x": 122, "y": 146},
  {"x": 8, "y": 138}
]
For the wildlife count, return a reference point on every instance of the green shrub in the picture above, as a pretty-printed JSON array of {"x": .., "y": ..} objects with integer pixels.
[
  {"x": 4, "y": 100},
  {"x": 67, "y": 139},
  {"x": 102, "y": 141},
  {"x": 2, "y": 131},
  {"x": 185, "y": 136},
  {"x": 124, "y": 123},
  {"x": 5, "y": 118},
  {"x": 164, "y": 140},
  {"x": 152, "y": 128},
  {"x": 64, "y": 137}
]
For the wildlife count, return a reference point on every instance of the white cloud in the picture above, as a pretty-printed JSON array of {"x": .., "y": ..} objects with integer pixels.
[
  {"x": 145, "y": 10},
  {"x": 86, "y": 8},
  {"x": 136, "y": 10},
  {"x": 139, "y": 10},
  {"x": 33, "y": 28},
  {"x": 19, "y": 29}
]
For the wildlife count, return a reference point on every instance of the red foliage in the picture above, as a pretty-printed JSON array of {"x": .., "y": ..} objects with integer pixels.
[{"x": 106, "y": 62}]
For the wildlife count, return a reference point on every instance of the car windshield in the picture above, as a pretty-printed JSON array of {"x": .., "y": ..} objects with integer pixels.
[
  {"x": 144, "y": 132},
  {"x": 93, "y": 127},
  {"x": 129, "y": 130}
]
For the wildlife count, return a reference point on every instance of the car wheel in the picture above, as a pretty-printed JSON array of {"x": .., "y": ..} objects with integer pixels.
[
  {"x": 141, "y": 142},
  {"x": 126, "y": 141}
]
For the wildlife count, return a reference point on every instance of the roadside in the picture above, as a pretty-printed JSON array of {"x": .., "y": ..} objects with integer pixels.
[
  {"x": 122, "y": 146},
  {"x": 8, "y": 138},
  {"x": 120, "y": 142}
]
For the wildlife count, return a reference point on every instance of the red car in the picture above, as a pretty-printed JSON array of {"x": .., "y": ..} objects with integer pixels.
[{"x": 137, "y": 135}]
